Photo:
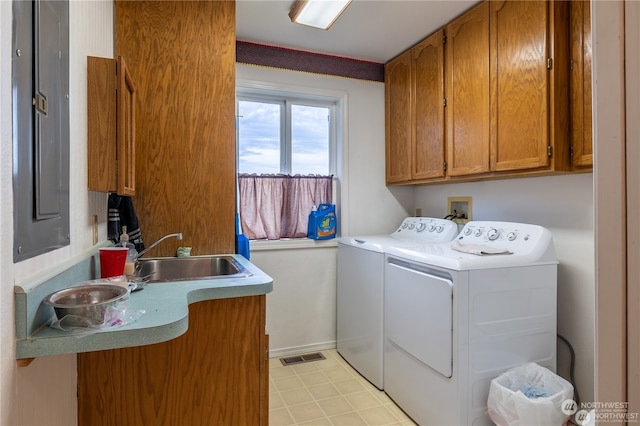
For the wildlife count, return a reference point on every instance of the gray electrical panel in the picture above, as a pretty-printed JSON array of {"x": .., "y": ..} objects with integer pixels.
[{"x": 40, "y": 83}]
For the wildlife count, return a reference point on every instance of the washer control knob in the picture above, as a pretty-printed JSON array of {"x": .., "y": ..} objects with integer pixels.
[
  {"x": 404, "y": 225},
  {"x": 493, "y": 234},
  {"x": 421, "y": 226},
  {"x": 411, "y": 226},
  {"x": 467, "y": 231},
  {"x": 478, "y": 232},
  {"x": 511, "y": 236},
  {"x": 439, "y": 228},
  {"x": 431, "y": 227}
]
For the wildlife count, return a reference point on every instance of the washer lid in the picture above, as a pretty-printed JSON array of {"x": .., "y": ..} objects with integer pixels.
[
  {"x": 412, "y": 229},
  {"x": 377, "y": 243}
]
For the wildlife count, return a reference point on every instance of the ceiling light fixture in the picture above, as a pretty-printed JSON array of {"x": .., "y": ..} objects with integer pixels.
[{"x": 317, "y": 13}]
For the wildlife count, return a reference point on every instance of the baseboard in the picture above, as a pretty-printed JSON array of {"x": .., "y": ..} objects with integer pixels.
[{"x": 295, "y": 350}]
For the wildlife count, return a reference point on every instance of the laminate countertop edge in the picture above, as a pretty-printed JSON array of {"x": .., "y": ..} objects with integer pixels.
[{"x": 157, "y": 313}]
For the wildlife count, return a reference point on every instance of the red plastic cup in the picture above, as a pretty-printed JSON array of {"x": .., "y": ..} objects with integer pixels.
[{"x": 112, "y": 261}]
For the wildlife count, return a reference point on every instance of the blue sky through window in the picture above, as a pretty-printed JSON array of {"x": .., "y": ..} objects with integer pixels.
[{"x": 260, "y": 140}]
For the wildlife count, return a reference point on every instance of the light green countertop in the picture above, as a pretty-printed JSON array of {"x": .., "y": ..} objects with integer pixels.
[{"x": 165, "y": 308}]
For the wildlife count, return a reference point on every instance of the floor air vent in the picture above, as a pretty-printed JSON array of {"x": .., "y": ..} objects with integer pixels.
[{"x": 299, "y": 359}]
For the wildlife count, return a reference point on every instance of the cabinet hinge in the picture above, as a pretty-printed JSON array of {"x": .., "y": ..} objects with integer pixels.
[
  {"x": 444, "y": 102},
  {"x": 444, "y": 38},
  {"x": 549, "y": 150},
  {"x": 549, "y": 63},
  {"x": 444, "y": 166}
]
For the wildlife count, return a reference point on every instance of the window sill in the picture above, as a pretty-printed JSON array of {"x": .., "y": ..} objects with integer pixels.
[{"x": 292, "y": 243}]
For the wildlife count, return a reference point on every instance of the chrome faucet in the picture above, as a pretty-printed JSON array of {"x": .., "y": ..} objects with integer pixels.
[{"x": 178, "y": 236}]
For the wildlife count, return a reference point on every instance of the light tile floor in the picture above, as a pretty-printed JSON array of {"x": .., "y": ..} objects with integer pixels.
[{"x": 327, "y": 392}]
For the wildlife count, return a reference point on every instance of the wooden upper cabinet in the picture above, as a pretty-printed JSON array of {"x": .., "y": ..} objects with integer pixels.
[
  {"x": 414, "y": 88},
  {"x": 111, "y": 126},
  {"x": 427, "y": 71},
  {"x": 529, "y": 87},
  {"x": 580, "y": 81},
  {"x": 467, "y": 92},
  {"x": 126, "y": 130},
  {"x": 399, "y": 124},
  {"x": 506, "y": 90}
]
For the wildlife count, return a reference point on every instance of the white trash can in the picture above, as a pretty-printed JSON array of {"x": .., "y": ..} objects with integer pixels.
[{"x": 528, "y": 395}]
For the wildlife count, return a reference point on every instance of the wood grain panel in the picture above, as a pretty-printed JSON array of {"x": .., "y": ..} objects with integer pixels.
[
  {"x": 101, "y": 124},
  {"x": 581, "y": 115},
  {"x": 467, "y": 57},
  {"x": 182, "y": 54},
  {"x": 520, "y": 87},
  {"x": 211, "y": 375},
  {"x": 428, "y": 152},
  {"x": 398, "y": 118},
  {"x": 126, "y": 131}
]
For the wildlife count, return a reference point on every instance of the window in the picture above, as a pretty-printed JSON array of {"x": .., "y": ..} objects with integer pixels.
[
  {"x": 286, "y": 160},
  {"x": 287, "y": 135}
]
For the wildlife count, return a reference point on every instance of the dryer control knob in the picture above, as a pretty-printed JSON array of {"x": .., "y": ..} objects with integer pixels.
[
  {"x": 432, "y": 227},
  {"x": 512, "y": 236},
  {"x": 478, "y": 233},
  {"x": 467, "y": 231},
  {"x": 439, "y": 228},
  {"x": 493, "y": 234},
  {"x": 421, "y": 226}
]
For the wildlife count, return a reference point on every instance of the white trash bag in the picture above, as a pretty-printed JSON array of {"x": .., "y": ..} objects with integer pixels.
[{"x": 528, "y": 395}]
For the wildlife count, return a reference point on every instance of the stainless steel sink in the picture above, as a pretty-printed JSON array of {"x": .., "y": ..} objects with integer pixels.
[{"x": 164, "y": 269}]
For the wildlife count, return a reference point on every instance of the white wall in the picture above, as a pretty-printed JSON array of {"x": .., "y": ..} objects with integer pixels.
[
  {"x": 44, "y": 393},
  {"x": 564, "y": 204}
]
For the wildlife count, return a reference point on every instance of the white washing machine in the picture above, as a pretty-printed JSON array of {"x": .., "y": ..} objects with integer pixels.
[
  {"x": 454, "y": 320},
  {"x": 360, "y": 291}
]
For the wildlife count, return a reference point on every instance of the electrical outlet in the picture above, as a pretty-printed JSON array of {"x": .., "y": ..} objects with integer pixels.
[
  {"x": 459, "y": 209},
  {"x": 418, "y": 212}
]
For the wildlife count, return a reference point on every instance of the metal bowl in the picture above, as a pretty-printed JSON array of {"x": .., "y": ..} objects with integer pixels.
[{"x": 90, "y": 305}]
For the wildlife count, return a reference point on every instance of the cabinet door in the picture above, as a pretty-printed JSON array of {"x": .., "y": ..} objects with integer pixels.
[
  {"x": 111, "y": 126},
  {"x": 581, "y": 120},
  {"x": 467, "y": 92},
  {"x": 126, "y": 140},
  {"x": 519, "y": 40},
  {"x": 398, "y": 118},
  {"x": 428, "y": 110}
]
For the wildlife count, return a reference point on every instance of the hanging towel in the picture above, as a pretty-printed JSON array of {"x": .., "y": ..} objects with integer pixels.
[
  {"x": 121, "y": 213},
  {"x": 477, "y": 249}
]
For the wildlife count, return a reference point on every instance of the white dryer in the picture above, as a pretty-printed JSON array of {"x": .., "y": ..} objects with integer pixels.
[
  {"x": 455, "y": 319},
  {"x": 360, "y": 290}
]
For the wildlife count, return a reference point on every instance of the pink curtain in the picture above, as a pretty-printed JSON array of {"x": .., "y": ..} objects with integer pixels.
[{"x": 278, "y": 206}]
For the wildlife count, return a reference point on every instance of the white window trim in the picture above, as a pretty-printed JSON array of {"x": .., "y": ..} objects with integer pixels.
[{"x": 341, "y": 159}]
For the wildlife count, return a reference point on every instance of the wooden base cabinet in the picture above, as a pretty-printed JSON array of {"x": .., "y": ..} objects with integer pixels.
[{"x": 214, "y": 374}]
